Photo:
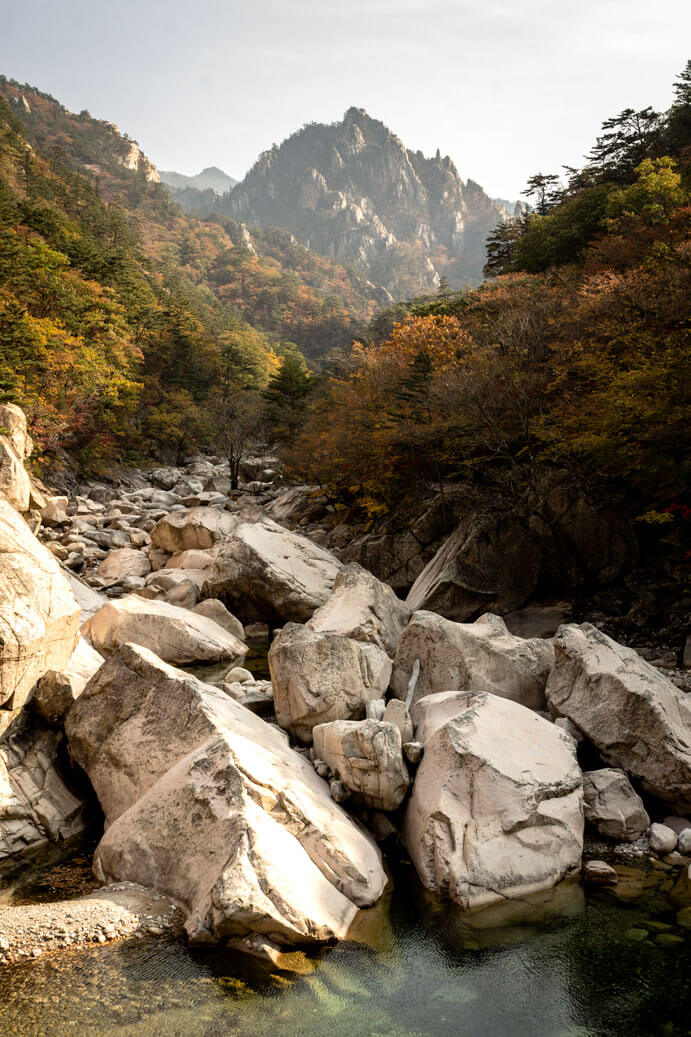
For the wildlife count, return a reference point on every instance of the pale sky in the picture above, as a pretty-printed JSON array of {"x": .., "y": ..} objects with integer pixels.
[{"x": 507, "y": 88}]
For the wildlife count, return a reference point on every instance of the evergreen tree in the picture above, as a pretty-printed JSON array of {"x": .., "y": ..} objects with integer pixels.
[
  {"x": 285, "y": 397},
  {"x": 544, "y": 188},
  {"x": 629, "y": 138},
  {"x": 501, "y": 247},
  {"x": 678, "y": 135}
]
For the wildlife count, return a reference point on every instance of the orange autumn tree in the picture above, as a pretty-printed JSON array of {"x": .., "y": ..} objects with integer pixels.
[{"x": 381, "y": 420}]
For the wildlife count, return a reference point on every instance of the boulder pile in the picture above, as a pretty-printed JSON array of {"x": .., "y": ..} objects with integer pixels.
[{"x": 248, "y": 800}]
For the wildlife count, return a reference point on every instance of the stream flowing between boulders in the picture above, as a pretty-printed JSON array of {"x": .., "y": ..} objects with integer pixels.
[{"x": 572, "y": 963}]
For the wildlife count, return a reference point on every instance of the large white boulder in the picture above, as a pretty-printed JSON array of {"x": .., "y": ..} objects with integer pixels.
[
  {"x": 174, "y": 634},
  {"x": 367, "y": 756},
  {"x": 480, "y": 656},
  {"x": 190, "y": 530},
  {"x": 612, "y": 805},
  {"x": 496, "y": 808},
  {"x": 58, "y": 689},
  {"x": 15, "y": 485},
  {"x": 320, "y": 677},
  {"x": 282, "y": 575},
  {"x": 193, "y": 559},
  {"x": 362, "y": 607},
  {"x": 39, "y": 618},
  {"x": 636, "y": 717},
  {"x": 14, "y": 426},
  {"x": 122, "y": 562},
  {"x": 207, "y": 803}
]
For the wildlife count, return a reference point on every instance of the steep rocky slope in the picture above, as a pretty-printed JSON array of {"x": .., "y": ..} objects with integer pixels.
[{"x": 352, "y": 191}]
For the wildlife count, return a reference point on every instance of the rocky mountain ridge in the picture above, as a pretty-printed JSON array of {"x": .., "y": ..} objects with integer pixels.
[{"x": 353, "y": 192}]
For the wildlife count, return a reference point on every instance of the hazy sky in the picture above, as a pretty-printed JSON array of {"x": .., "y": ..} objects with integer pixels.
[{"x": 506, "y": 87}]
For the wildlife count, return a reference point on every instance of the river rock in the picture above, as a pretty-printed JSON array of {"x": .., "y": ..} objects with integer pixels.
[
  {"x": 38, "y": 802},
  {"x": 496, "y": 808},
  {"x": 396, "y": 712},
  {"x": 15, "y": 485},
  {"x": 57, "y": 690},
  {"x": 284, "y": 576},
  {"x": 612, "y": 806},
  {"x": 192, "y": 529},
  {"x": 321, "y": 677},
  {"x": 599, "y": 873},
  {"x": 166, "y": 579},
  {"x": 208, "y": 803},
  {"x": 677, "y": 824},
  {"x": 482, "y": 656},
  {"x": 121, "y": 563},
  {"x": 54, "y": 511},
  {"x": 362, "y": 607},
  {"x": 214, "y": 609},
  {"x": 367, "y": 756},
  {"x": 193, "y": 559},
  {"x": 662, "y": 839},
  {"x": 39, "y": 618},
  {"x": 637, "y": 719},
  {"x": 176, "y": 635}
]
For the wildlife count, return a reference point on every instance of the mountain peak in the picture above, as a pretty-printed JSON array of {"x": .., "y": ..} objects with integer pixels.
[
  {"x": 355, "y": 114},
  {"x": 352, "y": 191}
]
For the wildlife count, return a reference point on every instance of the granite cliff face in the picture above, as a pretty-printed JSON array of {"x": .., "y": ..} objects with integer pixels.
[{"x": 354, "y": 193}]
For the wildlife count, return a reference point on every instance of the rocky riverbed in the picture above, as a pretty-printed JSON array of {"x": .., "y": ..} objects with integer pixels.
[{"x": 263, "y": 807}]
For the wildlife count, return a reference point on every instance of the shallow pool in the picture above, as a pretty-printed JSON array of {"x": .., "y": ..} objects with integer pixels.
[{"x": 566, "y": 964}]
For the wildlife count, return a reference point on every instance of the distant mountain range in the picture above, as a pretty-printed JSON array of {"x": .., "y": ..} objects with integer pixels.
[
  {"x": 354, "y": 193},
  {"x": 210, "y": 179},
  {"x": 350, "y": 192}
]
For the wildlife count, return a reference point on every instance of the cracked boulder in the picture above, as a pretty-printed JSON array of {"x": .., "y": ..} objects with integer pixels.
[
  {"x": 320, "y": 677},
  {"x": 13, "y": 420},
  {"x": 176, "y": 635},
  {"x": 635, "y": 717},
  {"x": 482, "y": 656},
  {"x": 39, "y": 617},
  {"x": 362, "y": 607},
  {"x": 490, "y": 562},
  {"x": 38, "y": 801},
  {"x": 496, "y": 809},
  {"x": 264, "y": 571},
  {"x": 15, "y": 485},
  {"x": 367, "y": 756},
  {"x": 209, "y": 804}
]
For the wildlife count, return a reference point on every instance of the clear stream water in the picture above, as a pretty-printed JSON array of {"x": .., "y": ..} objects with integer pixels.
[{"x": 570, "y": 965}]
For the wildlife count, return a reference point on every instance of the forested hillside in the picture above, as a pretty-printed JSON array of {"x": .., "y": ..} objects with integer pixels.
[
  {"x": 569, "y": 367},
  {"x": 124, "y": 323}
]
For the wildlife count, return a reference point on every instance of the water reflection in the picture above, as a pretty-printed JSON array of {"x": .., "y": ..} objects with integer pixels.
[{"x": 557, "y": 964}]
